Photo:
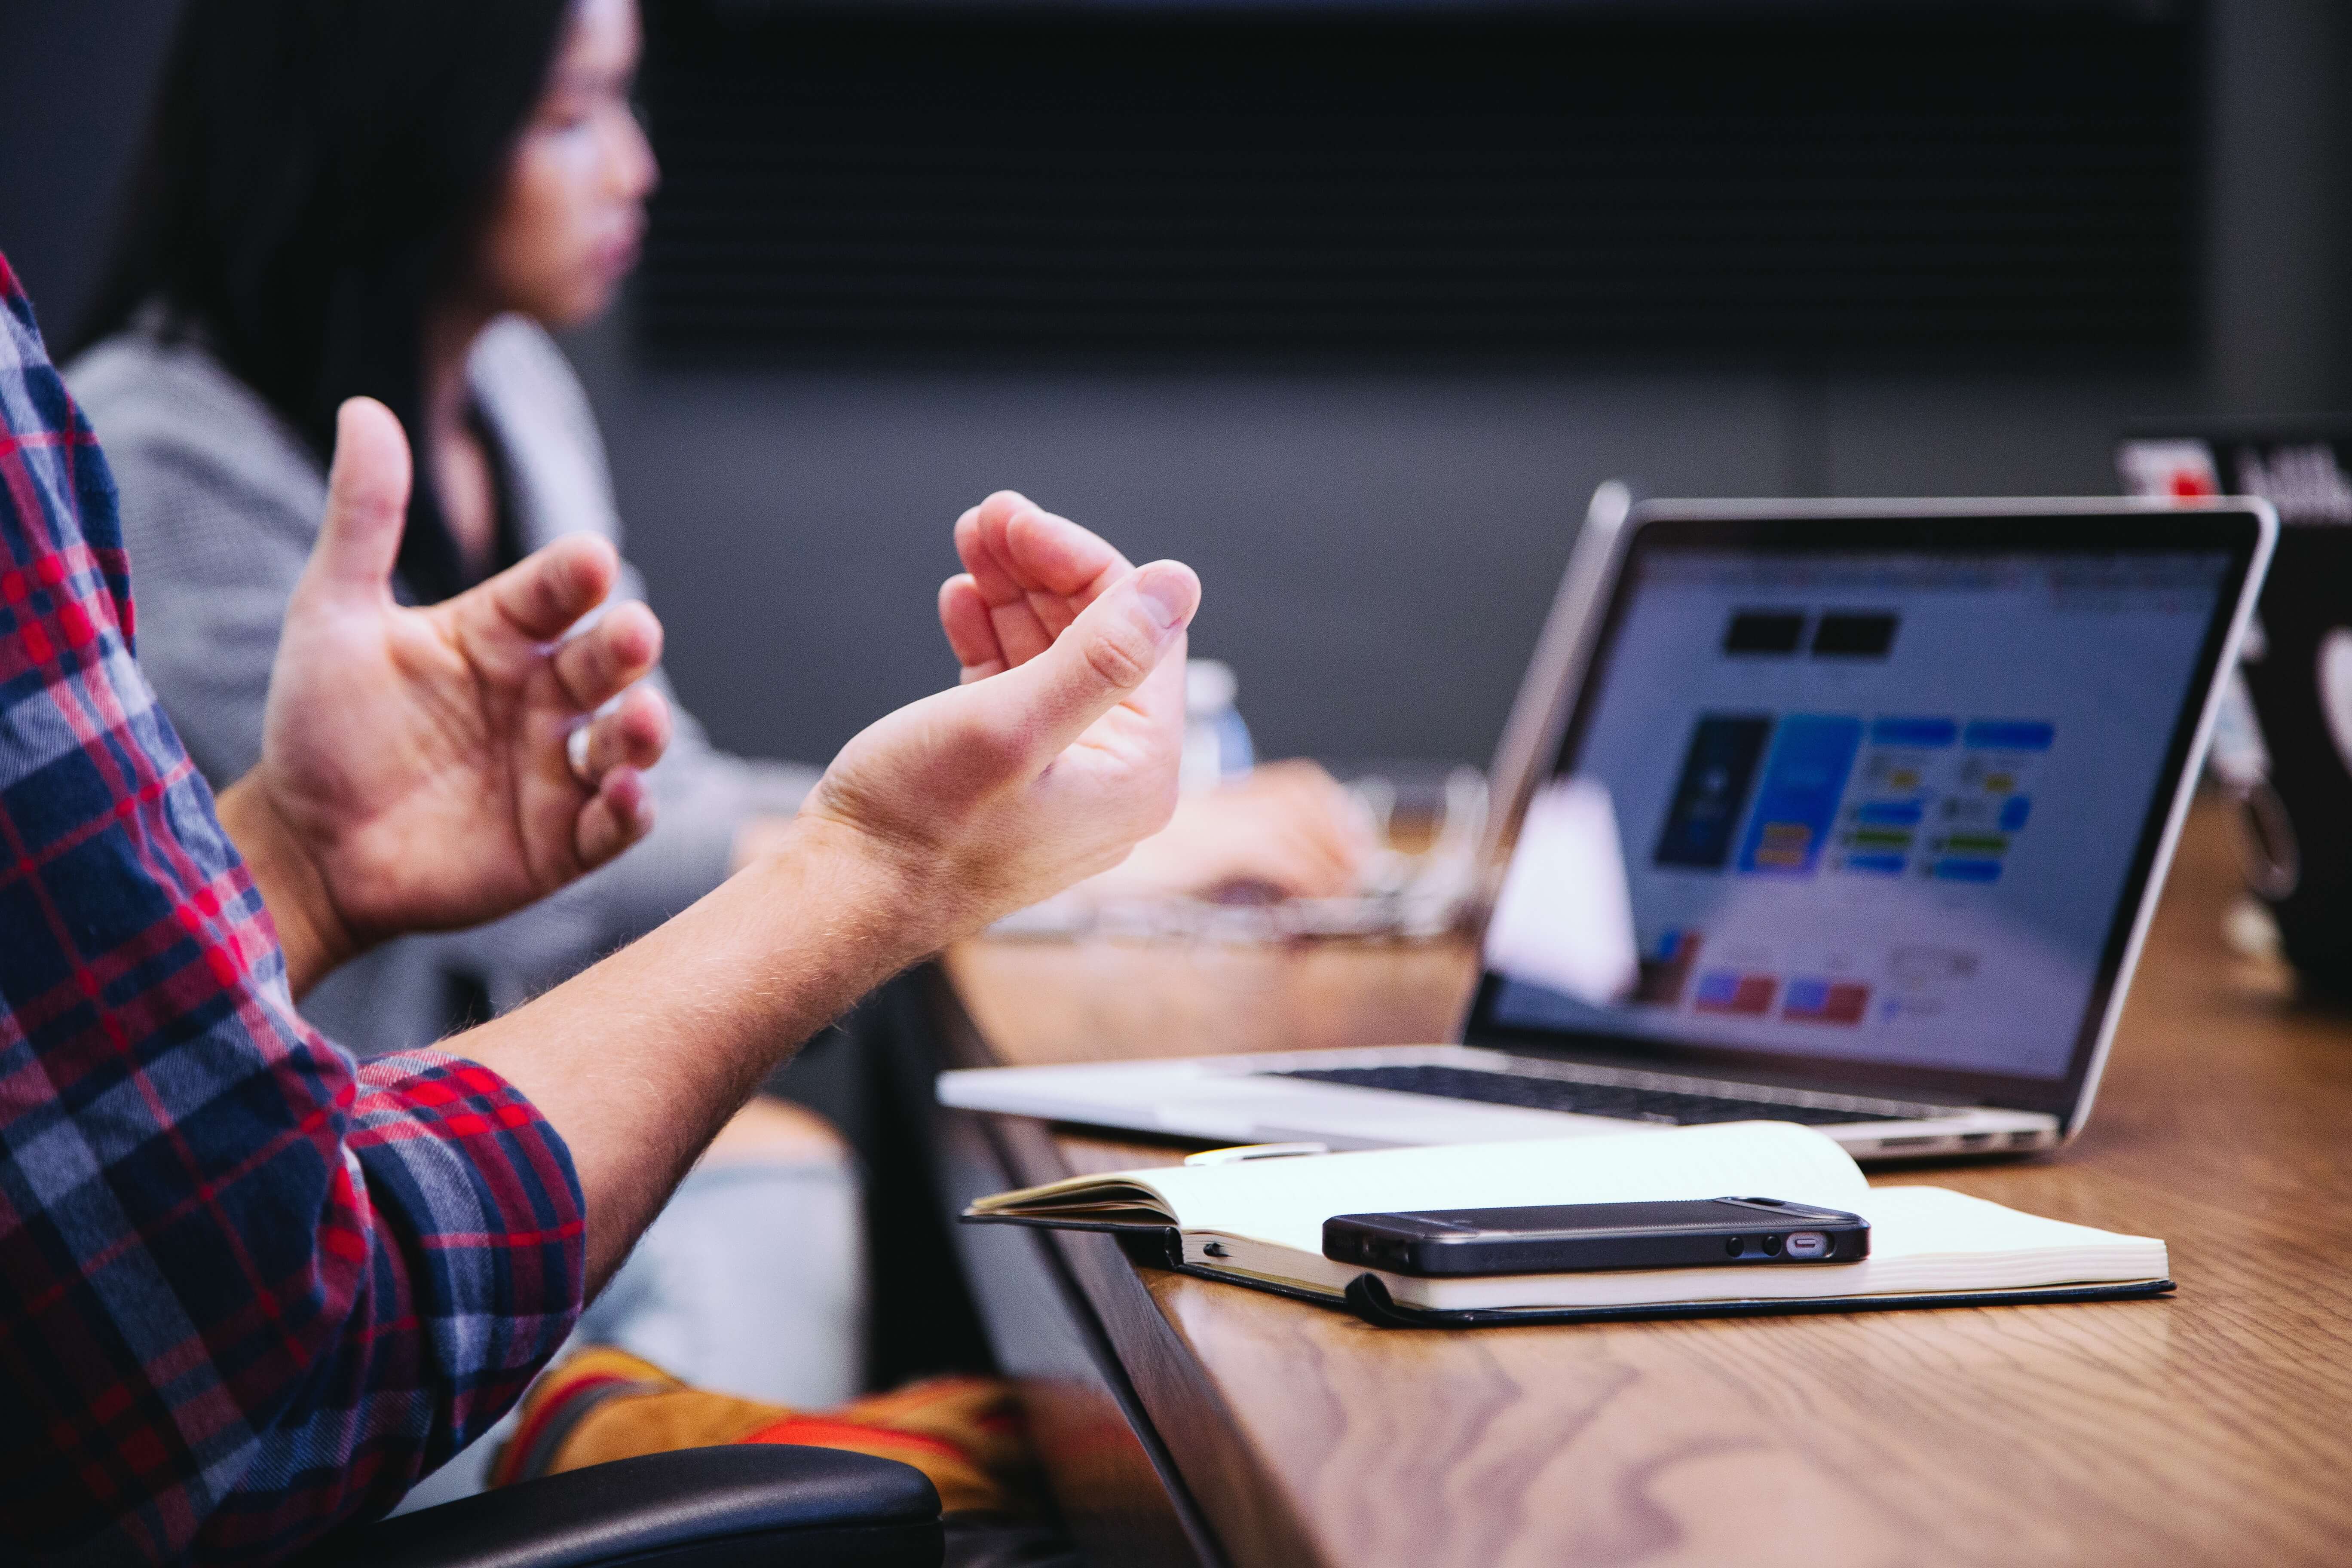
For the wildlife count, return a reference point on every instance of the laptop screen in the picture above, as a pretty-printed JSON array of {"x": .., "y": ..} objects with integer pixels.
[{"x": 1889, "y": 808}]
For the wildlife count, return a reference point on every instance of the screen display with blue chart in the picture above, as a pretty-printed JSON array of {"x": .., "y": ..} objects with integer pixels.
[{"x": 1882, "y": 807}]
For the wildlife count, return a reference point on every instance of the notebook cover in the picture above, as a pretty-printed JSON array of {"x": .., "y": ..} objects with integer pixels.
[
  {"x": 1162, "y": 1236},
  {"x": 1369, "y": 1299}
]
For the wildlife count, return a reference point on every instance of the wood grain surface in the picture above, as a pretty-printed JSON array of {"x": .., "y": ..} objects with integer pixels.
[{"x": 2212, "y": 1427}]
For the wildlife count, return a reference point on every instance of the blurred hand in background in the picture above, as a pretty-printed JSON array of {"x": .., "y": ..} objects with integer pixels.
[{"x": 1282, "y": 831}]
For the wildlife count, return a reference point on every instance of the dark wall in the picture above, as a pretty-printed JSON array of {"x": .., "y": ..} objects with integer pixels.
[
  {"x": 73, "y": 97},
  {"x": 1378, "y": 550},
  {"x": 2280, "y": 214},
  {"x": 1378, "y": 546},
  {"x": 1788, "y": 183}
]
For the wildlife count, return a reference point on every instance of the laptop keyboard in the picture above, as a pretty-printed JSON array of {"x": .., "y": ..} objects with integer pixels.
[{"x": 1586, "y": 1098}]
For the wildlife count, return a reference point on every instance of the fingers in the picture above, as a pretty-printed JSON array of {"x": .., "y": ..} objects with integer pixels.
[
  {"x": 541, "y": 596},
  {"x": 1012, "y": 546},
  {"x": 1052, "y": 554},
  {"x": 367, "y": 500},
  {"x": 619, "y": 746},
  {"x": 509, "y": 622},
  {"x": 1309, "y": 803},
  {"x": 603, "y": 661},
  {"x": 1034, "y": 570},
  {"x": 972, "y": 635},
  {"x": 1288, "y": 826},
  {"x": 1329, "y": 862},
  {"x": 1106, "y": 657},
  {"x": 1295, "y": 868},
  {"x": 1015, "y": 626},
  {"x": 1294, "y": 859},
  {"x": 621, "y": 813},
  {"x": 633, "y": 735}
]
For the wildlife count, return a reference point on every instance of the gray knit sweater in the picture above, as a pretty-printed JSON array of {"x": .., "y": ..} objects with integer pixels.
[{"x": 221, "y": 502}]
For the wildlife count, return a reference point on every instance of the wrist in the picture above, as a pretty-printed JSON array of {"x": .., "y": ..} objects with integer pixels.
[
  {"x": 886, "y": 895},
  {"x": 310, "y": 929}
]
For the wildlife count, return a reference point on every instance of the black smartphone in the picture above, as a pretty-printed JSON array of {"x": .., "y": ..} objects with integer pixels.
[{"x": 1563, "y": 1239}]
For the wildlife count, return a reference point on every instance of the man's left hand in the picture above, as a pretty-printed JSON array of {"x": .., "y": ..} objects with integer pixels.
[{"x": 415, "y": 773}]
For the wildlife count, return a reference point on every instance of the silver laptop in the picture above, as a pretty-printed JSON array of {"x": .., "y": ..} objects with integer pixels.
[{"x": 1850, "y": 813}]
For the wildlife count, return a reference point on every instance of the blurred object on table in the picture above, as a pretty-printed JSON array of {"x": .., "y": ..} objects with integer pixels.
[
  {"x": 1417, "y": 883},
  {"x": 2281, "y": 745},
  {"x": 1217, "y": 745}
]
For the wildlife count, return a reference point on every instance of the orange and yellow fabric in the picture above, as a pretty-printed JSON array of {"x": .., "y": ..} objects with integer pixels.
[{"x": 604, "y": 1404}]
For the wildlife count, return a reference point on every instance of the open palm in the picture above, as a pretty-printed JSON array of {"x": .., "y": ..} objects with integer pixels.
[{"x": 419, "y": 757}]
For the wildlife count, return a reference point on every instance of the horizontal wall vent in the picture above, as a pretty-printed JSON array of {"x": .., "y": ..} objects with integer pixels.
[{"x": 1789, "y": 184}]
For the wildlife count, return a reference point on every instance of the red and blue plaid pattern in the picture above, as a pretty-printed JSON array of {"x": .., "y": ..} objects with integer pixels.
[{"x": 248, "y": 1289}]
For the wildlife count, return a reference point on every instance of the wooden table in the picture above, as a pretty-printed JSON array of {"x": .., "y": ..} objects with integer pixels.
[{"x": 1187, "y": 1421}]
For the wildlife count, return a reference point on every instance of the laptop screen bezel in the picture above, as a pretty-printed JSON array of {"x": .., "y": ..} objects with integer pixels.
[{"x": 2044, "y": 529}]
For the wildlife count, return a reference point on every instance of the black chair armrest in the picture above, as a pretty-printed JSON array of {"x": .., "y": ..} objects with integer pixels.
[{"x": 768, "y": 1505}]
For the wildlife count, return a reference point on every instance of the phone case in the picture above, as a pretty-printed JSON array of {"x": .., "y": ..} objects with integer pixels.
[{"x": 1574, "y": 1239}]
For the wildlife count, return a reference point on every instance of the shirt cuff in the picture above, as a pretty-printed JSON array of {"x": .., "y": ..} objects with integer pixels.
[{"x": 487, "y": 1211}]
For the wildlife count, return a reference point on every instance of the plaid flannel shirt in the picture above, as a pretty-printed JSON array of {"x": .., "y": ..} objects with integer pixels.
[{"x": 249, "y": 1290}]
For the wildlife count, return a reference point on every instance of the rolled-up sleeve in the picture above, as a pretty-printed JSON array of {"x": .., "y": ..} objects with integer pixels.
[
  {"x": 456, "y": 1208},
  {"x": 248, "y": 1289}
]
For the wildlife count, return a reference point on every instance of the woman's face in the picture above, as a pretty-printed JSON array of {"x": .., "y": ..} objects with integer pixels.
[{"x": 573, "y": 207}]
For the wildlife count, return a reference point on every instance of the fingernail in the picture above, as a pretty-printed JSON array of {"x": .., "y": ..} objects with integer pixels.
[{"x": 1170, "y": 592}]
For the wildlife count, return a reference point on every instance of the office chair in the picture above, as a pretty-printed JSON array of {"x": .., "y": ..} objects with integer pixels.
[{"x": 751, "y": 1506}]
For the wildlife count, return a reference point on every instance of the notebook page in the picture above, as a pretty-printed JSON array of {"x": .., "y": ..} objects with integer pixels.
[{"x": 1286, "y": 1201}]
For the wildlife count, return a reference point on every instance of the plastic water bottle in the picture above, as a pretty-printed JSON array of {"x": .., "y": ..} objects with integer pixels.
[{"x": 1216, "y": 743}]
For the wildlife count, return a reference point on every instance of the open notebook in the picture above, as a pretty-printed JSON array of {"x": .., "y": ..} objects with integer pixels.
[{"x": 1260, "y": 1222}]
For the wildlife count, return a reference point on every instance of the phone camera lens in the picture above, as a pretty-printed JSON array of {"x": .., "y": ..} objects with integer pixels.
[{"x": 1772, "y": 1246}]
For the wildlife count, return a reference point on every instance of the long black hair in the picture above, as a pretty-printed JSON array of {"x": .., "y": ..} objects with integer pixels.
[{"x": 315, "y": 173}]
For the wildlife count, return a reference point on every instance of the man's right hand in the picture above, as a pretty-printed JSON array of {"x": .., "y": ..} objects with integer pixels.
[{"x": 1060, "y": 750}]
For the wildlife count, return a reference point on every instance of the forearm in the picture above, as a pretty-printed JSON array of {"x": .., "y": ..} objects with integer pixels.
[{"x": 639, "y": 1061}]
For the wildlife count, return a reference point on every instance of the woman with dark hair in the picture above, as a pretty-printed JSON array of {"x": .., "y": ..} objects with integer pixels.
[
  {"x": 392, "y": 200},
  {"x": 399, "y": 198}
]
